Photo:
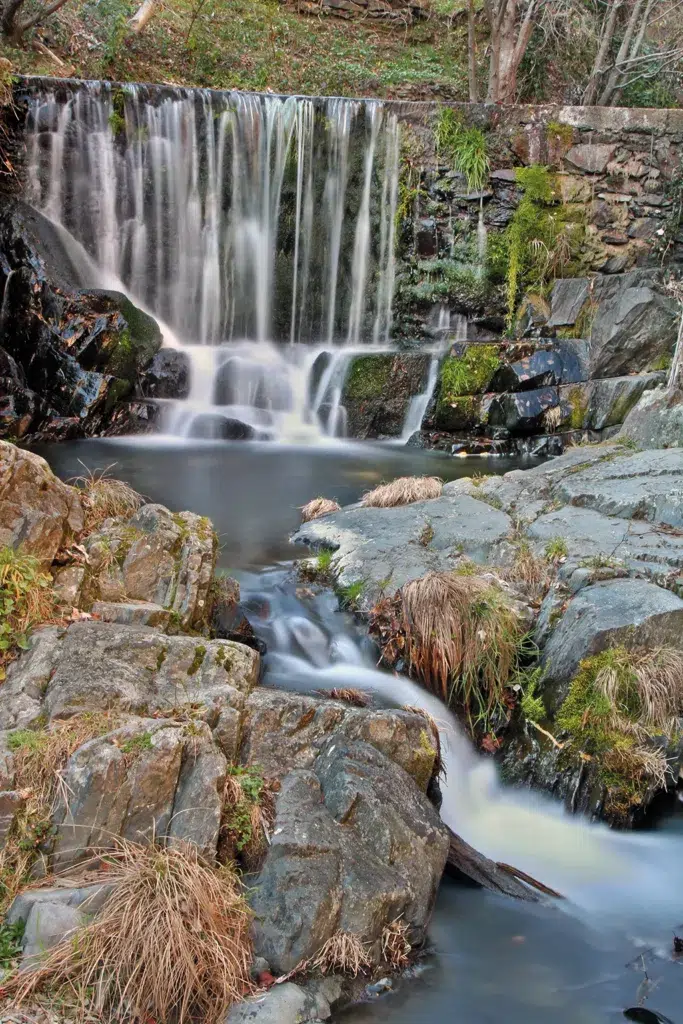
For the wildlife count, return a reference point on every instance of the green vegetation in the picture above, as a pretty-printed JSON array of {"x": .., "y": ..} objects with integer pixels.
[
  {"x": 564, "y": 133},
  {"x": 10, "y": 943},
  {"x": 350, "y": 594},
  {"x": 556, "y": 549},
  {"x": 531, "y": 704},
  {"x": 243, "y": 796},
  {"x": 197, "y": 660},
  {"x": 367, "y": 377},
  {"x": 464, "y": 148},
  {"x": 468, "y": 374},
  {"x": 26, "y": 599},
  {"x": 137, "y": 744}
]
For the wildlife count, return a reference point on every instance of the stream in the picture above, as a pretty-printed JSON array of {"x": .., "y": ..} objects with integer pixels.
[{"x": 586, "y": 959}]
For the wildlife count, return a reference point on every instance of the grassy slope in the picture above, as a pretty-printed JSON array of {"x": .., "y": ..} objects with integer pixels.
[{"x": 251, "y": 44}]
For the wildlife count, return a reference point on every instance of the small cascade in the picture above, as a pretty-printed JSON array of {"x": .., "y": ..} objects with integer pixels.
[
  {"x": 481, "y": 240},
  {"x": 446, "y": 333},
  {"x": 252, "y": 226}
]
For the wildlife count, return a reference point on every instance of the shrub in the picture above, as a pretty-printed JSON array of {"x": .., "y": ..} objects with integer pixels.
[
  {"x": 404, "y": 491},
  {"x": 170, "y": 944}
]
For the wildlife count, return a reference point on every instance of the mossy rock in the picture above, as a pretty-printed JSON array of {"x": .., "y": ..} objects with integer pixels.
[
  {"x": 462, "y": 379},
  {"x": 128, "y": 339},
  {"x": 367, "y": 377}
]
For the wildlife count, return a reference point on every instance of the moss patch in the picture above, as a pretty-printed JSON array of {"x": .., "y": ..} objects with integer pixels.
[
  {"x": 468, "y": 374},
  {"x": 367, "y": 377}
]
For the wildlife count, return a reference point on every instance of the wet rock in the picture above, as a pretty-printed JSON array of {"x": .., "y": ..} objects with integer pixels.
[
  {"x": 565, "y": 363},
  {"x": 377, "y": 391},
  {"x": 657, "y": 420},
  {"x": 168, "y": 375},
  {"x": 634, "y": 325},
  {"x": 605, "y": 614},
  {"x": 330, "y": 870},
  {"x": 97, "y": 666},
  {"x": 284, "y": 731},
  {"x": 522, "y": 412},
  {"x": 380, "y": 546},
  {"x": 38, "y": 512},
  {"x": 228, "y": 621}
]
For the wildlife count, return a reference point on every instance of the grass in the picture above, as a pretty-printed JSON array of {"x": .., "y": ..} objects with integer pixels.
[
  {"x": 396, "y": 948},
  {"x": 348, "y": 695},
  {"x": 556, "y": 549},
  {"x": 351, "y": 593},
  {"x": 248, "y": 816},
  {"x": 104, "y": 497},
  {"x": 404, "y": 491},
  {"x": 458, "y": 636},
  {"x": 171, "y": 944},
  {"x": 26, "y": 599},
  {"x": 38, "y": 758},
  {"x": 343, "y": 953},
  {"x": 253, "y": 45},
  {"x": 464, "y": 148},
  {"x": 528, "y": 569},
  {"x": 318, "y": 507}
]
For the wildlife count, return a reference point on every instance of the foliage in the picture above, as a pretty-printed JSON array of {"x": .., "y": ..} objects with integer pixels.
[
  {"x": 531, "y": 704},
  {"x": 468, "y": 374},
  {"x": 10, "y": 943},
  {"x": 556, "y": 549},
  {"x": 350, "y": 594},
  {"x": 26, "y": 599},
  {"x": 170, "y": 944},
  {"x": 248, "y": 814},
  {"x": 465, "y": 148}
]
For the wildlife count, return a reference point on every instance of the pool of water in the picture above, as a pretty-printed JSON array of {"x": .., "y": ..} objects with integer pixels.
[{"x": 492, "y": 959}]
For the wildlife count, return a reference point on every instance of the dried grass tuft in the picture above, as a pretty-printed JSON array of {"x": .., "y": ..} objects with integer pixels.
[
  {"x": 171, "y": 944},
  {"x": 644, "y": 686},
  {"x": 462, "y": 639},
  {"x": 404, "y": 491},
  {"x": 318, "y": 507},
  {"x": 104, "y": 497},
  {"x": 395, "y": 946},
  {"x": 533, "y": 573},
  {"x": 646, "y": 765},
  {"x": 343, "y": 953}
]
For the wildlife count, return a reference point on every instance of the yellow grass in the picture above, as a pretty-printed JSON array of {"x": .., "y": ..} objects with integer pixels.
[
  {"x": 104, "y": 497},
  {"x": 170, "y": 945},
  {"x": 318, "y": 507},
  {"x": 404, "y": 491},
  {"x": 343, "y": 953}
]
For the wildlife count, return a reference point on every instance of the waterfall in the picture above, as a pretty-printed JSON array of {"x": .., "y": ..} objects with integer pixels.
[{"x": 253, "y": 225}]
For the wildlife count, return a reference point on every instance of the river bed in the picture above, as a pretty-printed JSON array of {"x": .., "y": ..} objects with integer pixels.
[{"x": 493, "y": 960}]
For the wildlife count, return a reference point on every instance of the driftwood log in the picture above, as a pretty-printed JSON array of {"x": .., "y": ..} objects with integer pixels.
[{"x": 471, "y": 867}]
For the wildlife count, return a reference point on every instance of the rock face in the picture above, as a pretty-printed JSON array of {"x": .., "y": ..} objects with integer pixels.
[
  {"x": 38, "y": 513},
  {"x": 355, "y": 845},
  {"x": 385, "y": 548},
  {"x": 69, "y": 352},
  {"x": 657, "y": 420},
  {"x": 377, "y": 392}
]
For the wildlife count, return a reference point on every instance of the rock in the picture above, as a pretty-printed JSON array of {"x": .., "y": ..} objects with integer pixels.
[
  {"x": 591, "y": 157},
  {"x": 633, "y": 326},
  {"x": 149, "y": 779},
  {"x": 282, "y": 1004},
  {"x": 643, "y": 485},
  {"x": 586, "y": 533},
  {"x": 46, "y": 926},
  {"x": 96, "y": 666},
  {"x": 67, "y": 583},
  {"x": 284, "y": 731},
  {"x": 38, "y": 512},
  {"x": 157, "y": 557},
  {"x": 12, "y": 803},
  {"x": 602, "y": 403},
  {"x": 567, "y": 301},
  {"x": 522, "y": 412},
  {"x": 628, "y": 611},
  {"x": 381, "y": 547},
  {"x": 89, "y": 899},
  {"x": 615, "y": 265},
  {"x": 330, "y": 870},
  {"x": 168, "y": 375},
  {"x": 566, "y": 363},
  {"x": 377, "y": 391},
  {"x": 132, "y": 613},
  {"x": 657, "y": 420}
]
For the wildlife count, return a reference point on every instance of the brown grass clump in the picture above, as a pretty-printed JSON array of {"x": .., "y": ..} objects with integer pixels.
[
  {"x": 395, "y": 946},
  {"x": 318, "y": 507},
  {"x": 458, "y": 636},
  {"x": 170, "y": 944},
  {"x": 38, "y": 758},
  {"x": 404, "y": 491},
  {"x": 644, "y": 686},
  {"x": 532, "y": 572},
  {"x": 645, "y": 766},
  {"x": 104, "y": 497},
  {"x": 343, "y": 953}
]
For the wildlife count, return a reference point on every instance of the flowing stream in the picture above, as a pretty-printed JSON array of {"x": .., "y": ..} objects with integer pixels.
[{"x": 581, "y": 960}]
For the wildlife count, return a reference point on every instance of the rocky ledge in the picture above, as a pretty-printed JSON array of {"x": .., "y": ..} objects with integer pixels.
[{"x": 586, "y": 551}]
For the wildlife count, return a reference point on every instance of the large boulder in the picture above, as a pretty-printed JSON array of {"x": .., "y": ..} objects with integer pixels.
[
  {"x": 657, "y": 420},
  {"x": 164, "y": 558},
  {"x": 597, "y": 404},
  {"x": 377, "y": 391},
  {"x": 38, "y": 513},
  {"x": 98, "y": 666},
  {"x": 355, "y": 846},
  {"x": 385, "y": 547},
  {"x": 622, "y": 611}
]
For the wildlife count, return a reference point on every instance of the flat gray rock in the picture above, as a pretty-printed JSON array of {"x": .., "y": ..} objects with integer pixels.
[
  {"x": 284, "y": 1004},
  {"x": 568, "y": 297},
  {"x": 585, "y": 533},
  {"x": 88, "y": 898},
  {"x": 47, "y": 924},
  {"x": 384, "y": 546},
  {"x": 606, "y": 614}
]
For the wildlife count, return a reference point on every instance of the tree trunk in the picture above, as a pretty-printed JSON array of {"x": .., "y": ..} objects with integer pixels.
[
  {"x": 600, "y": 66},
  {"x": 635, "y": 48},
  {"x": 472, "y": 54},
  {"x": 615, "y": 73},
  {"x": 142, "y": 16},
  {"x": 508, "y": 90},
  {"x": 8, "y": 20}
]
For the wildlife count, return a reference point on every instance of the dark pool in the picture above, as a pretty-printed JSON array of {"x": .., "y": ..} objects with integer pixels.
[{"x": 494, "y": 961}]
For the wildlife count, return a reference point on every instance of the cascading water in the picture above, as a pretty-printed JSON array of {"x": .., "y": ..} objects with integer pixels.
[{"x": 258, "y": 229}]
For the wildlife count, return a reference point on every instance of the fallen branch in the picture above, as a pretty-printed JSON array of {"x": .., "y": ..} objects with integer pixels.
[
  {"x": 544, "y": 732},
  {"x": 523, "y": 877}
]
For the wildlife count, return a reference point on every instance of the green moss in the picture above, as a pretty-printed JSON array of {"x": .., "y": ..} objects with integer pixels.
[
  {"x": 367, "y": 377},
  {"x": 531, "y": 703},
  {"x": 663, "y": 362},
  {"x": 468, "y": 374},
  {"x": 161, "y": 657},
  {"x": 137, "y": 744},
  {"x": 117, "y": 117},
  {"x": 197, "y": 660},
  {"x": 564, "y": 133},
  {"x": 578, "y": 403},
  {"x": 424, "y": 760}
]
